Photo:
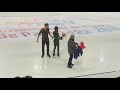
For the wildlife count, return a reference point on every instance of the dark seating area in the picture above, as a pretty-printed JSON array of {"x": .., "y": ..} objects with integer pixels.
[
  {"x": 23, "y": 77},
  {"x": 118, "y": 77}
]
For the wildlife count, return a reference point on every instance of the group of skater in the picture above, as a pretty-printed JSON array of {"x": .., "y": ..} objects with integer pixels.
[{"x": 56, "y": 38}]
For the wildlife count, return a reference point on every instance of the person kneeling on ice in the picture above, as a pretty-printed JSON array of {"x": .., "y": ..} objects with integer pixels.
[
  {"x": 56, "y": 40},
  {"x": 71, "y": 48}
]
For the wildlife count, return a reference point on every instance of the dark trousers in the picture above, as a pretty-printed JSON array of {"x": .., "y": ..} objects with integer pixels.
[
  {"x": 56, "y": 44},
  {"x": 70, "y": 60},
  {"x": 43, "y": 46}
]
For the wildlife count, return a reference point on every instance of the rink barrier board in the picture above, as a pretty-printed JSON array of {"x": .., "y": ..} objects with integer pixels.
[{"x": 96, "y": 74}]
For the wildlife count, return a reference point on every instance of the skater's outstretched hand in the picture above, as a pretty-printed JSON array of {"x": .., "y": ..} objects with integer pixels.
[
  {"x": 50, "y": 35},
  {"x": 38, "y": 38}
]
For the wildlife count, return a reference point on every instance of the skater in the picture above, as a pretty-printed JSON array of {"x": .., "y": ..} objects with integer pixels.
[
  {"x": 56, "y": 41},
  {"x": 45, "y": 39},
  {"x": 71, "y": 47}
]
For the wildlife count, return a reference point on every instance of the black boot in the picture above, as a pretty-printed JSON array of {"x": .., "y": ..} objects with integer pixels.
[
  {"x": 48, "y": 55},
  {"x": 69, "y": 66},
  {"x": 53, "y": 54},
  {"x": 58, "y": 54},
  {"x": 72, "y": 64},
  {"x": 42, "y": 56}
]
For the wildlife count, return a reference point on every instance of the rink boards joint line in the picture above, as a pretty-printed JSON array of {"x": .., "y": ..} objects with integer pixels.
[{"x": 93, "y": 74}]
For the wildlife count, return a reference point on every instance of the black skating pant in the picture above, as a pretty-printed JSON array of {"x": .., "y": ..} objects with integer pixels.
[
  {"x": 70, "y": 60},
  {"x": 43, "y": 46},
  {"x": 56, "y": 44}
]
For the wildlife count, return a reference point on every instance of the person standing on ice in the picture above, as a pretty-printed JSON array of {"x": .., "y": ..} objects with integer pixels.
[
  {"x": 56, "y": 40},
  {"x": 71, "y": 47},
  {"x": 45, "y": 39}
]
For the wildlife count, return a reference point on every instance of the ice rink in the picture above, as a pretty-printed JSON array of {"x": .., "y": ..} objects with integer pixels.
[{"x": 20, "y": 55}]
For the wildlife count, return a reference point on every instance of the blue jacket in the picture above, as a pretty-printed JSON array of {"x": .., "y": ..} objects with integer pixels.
[{"x": 78, "y": 52}]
